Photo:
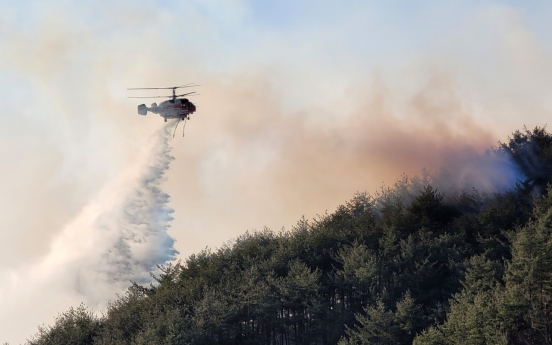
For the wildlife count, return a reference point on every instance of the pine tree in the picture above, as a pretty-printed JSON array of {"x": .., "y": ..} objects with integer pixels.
[
  {"x": 527, "y": 301},
  {"x": 75, "y": 326},
  {"x": 473, "y": 316},
  {"x": 385, "y": 327}
]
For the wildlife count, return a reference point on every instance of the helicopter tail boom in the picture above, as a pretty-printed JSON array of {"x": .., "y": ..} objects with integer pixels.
[{"x": 143, "y": 109}]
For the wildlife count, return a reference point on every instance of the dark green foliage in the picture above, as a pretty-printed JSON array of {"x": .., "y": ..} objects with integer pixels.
[
  {"x": 410, "y": 265},
  {"x": 428, "y": 210},
  {"x": 75, "y": 326},
  {"x": 505, "y": 304},
  {"x": 383, "y": 326},
  {"x": 532, "y": 152},
  {"x": 304, "y": 286}
]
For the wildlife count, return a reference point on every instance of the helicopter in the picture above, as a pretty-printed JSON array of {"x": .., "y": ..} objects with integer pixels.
[{"x": 174, "y": 108}]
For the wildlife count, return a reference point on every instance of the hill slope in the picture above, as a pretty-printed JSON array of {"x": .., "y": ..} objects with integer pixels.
[{"x": 407, "y": 265}]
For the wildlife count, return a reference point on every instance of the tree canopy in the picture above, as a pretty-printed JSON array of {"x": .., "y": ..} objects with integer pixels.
[{"x": 409, "y": 265}]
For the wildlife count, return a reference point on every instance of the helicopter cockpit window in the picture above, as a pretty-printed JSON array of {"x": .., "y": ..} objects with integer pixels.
[{"x": 184, "y": 101}]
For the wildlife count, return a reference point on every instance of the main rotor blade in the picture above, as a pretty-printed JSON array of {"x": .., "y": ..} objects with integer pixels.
[
  {"x": 185, "y": 94},
  {"x": 151, "y": 88},
  {"x": 164, "y": 88},
  {"x": 152, "y": 97},
  {"x": 186, "y": 85}
]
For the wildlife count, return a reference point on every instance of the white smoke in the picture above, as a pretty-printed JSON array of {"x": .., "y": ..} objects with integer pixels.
[
  {"x": 121, "y": 236},
  {"x": 491, "y": 172},
  {"x": 464, "y": 172}
]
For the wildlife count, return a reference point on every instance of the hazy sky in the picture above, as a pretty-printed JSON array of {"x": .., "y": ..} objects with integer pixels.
[{"x": 302, "y": 104}]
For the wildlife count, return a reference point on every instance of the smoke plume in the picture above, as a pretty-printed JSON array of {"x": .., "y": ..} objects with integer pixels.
[
  {"x": 273, "y": 166},
  {"x": 121, "y": 236}
]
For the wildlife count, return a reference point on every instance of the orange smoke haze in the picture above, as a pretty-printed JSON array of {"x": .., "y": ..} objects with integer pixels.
[
  {"x": 245, "y": 163},
  {"x": 247, "y": 160}
]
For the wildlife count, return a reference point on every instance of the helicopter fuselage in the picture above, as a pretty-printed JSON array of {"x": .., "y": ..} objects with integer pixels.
[
  {"x": 179, "y": 108},
  {"x": 174, "y": 108}
]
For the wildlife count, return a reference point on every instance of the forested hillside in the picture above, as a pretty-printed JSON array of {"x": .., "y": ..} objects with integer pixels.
[{"x": 407, "y": 265}]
